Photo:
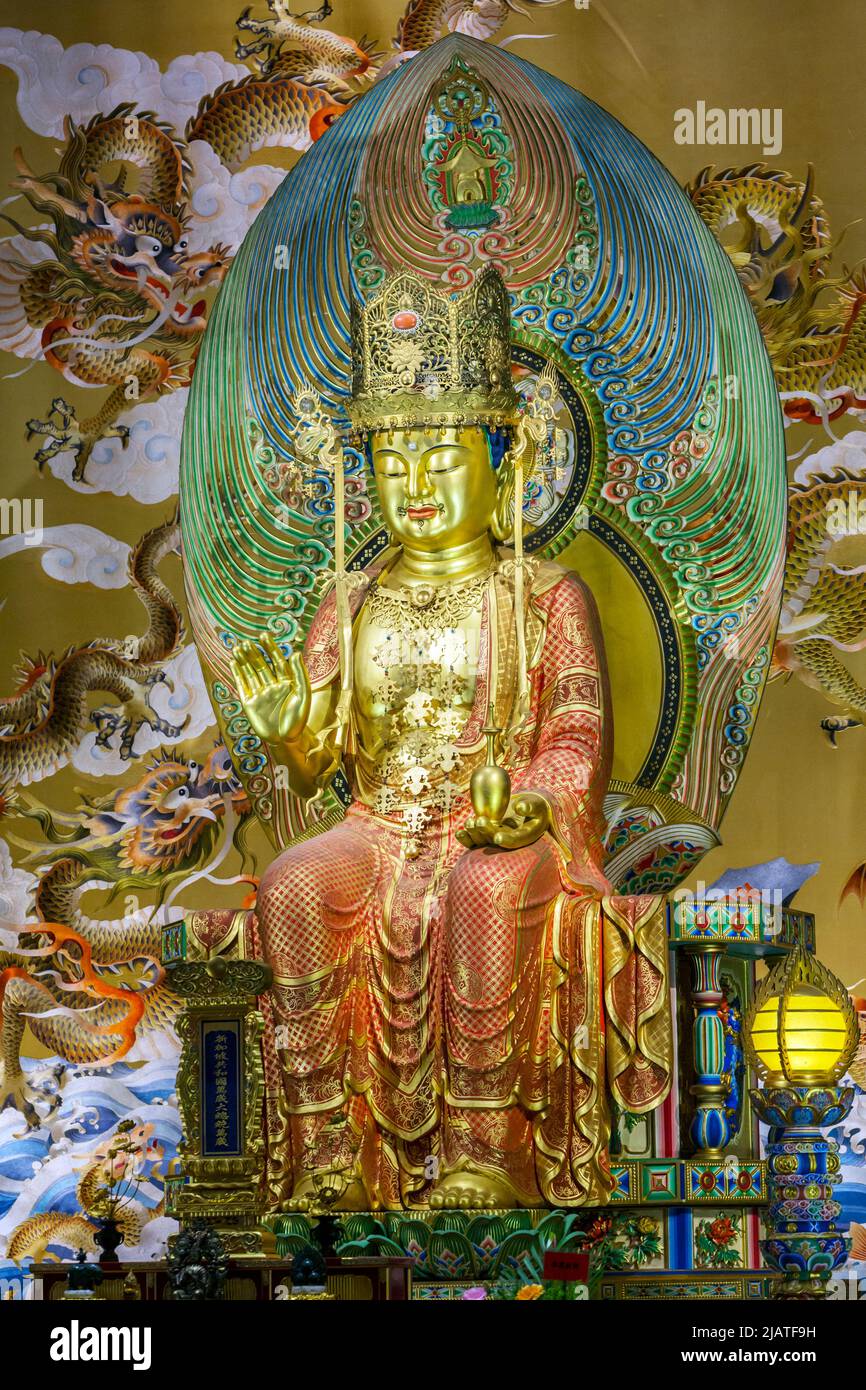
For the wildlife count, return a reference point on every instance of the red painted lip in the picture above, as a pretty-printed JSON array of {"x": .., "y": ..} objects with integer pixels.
[{"x": 422, "y": 511}]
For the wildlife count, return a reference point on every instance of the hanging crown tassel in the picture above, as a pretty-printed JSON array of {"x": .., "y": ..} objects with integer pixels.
[{"x": 531, "y": 432}]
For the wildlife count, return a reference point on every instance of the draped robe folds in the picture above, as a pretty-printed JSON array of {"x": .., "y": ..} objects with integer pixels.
[{"x": 467, "y": 1008}]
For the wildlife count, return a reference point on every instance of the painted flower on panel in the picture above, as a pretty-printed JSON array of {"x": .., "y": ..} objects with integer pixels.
[
  {"x": 723, "y": 1231},
  {"x": 636, "y": 1242},
  {"x": 717, "y": 1243}
]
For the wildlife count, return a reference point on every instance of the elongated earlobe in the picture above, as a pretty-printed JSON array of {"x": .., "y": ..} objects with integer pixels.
[{"x": 502, "y": 520}]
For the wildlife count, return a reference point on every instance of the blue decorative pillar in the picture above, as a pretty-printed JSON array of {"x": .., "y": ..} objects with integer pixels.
[
  {"x": 710, "y": 1127},
  {"x": 802, "y": 1239}
]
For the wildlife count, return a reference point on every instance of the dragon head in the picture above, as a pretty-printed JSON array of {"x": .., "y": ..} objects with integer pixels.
[
  {"x": 162, "y": 818},
  {"x": 136, "y": 245}
]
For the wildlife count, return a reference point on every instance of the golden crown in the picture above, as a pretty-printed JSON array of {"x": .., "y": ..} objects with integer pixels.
[{"x": 421, "y": 355}]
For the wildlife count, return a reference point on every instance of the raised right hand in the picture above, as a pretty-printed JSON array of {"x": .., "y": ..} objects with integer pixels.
[{"x": 274, "y": 690}]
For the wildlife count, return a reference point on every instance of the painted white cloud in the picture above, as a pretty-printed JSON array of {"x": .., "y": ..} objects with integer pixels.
[
  {"x": 187, "y": 705},
  {"x": 224, "y": 205},
  {"x": 16, "y": 888},
  {"x": 147, "y": 469},
  {"x": 18, "y": 255},
  {"x": 77, "y": 554},
  {"x": 849, "y": 452},
  {"x": 87, "y": 78}
]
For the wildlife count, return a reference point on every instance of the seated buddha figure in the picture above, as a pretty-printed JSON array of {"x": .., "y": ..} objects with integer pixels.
[{"x": 456, "y": 994}]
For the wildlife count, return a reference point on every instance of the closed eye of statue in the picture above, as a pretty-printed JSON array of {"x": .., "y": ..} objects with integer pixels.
[
  {"x": 389, "y": 465},
  {"x": 444, "y": 462}
]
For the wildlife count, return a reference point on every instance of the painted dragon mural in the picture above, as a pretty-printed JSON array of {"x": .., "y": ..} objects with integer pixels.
[
  {"x": 107, "y": 299},
  {"x": 144, "y": 837},
  {"x": 116, "y": 247},
  {"x": 776, "y": 232},
  {"x": 43, "y": 720}
]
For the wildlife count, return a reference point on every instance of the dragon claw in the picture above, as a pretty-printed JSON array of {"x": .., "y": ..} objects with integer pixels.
[
  {"x": 836, "y": 724},
  {"x": 167, "y": 730},
  {"x": 16, "y": 1093},
  {"x": 64, "y": 432},
  {"x": 138, "y": 715},
  {"x": 61, "y": 430}
]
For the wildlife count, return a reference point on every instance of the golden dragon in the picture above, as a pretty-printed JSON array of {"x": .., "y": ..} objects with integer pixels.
[
  {"x": 87, "y": 988},
  {"x": 107, "y": 297},
  {"x": 776, "y": 231},
  {"x": 121, "y": 1156},
  {"x": 43, "y": 722}
]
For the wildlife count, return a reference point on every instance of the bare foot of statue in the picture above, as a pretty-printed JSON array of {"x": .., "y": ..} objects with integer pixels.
[
  {"x": 305, "y": 1197},
  {"x": 469, "y": 1189}
]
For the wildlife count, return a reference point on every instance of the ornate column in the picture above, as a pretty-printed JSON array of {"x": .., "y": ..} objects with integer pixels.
[
  {"x": 802, "y": 1240},
  {"x": 710, "y": 1127},
  {"x": 220, "y": 1086}
]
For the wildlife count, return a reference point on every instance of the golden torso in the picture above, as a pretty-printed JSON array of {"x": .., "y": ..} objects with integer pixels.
[{"x": 416, "y": 663}]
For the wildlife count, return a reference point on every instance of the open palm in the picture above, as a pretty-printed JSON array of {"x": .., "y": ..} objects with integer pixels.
[{"x": 274, "y": 689}]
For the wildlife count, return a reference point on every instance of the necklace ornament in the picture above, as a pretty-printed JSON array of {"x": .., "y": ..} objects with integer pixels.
[
  {"x": 430, "y": 605},
  {"x": 422, "y": 595}
]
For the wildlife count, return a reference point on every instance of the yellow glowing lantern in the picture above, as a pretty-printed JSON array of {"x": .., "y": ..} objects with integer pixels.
[{"x": 801, "y": 1028}]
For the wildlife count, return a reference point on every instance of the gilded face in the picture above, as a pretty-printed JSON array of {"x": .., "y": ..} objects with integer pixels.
[{"x": 437, "y": 488}]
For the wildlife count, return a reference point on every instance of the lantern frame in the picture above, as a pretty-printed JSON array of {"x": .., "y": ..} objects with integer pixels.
[{"x": 795, "y": 969}]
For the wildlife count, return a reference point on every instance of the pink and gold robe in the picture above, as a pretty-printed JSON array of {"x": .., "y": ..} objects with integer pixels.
[{"x": 469, "y": 1007}]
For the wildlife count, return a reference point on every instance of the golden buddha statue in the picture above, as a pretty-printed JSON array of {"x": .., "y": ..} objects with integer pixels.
[{"x": 456, "y": 994}]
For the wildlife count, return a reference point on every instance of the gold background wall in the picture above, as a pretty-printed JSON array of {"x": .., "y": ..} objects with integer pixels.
[{"x": 642, "y": 60}]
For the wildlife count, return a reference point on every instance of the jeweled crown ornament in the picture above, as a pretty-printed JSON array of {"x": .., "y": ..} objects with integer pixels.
[
  {"x": 466, "y": 170},
  {"x": 424, "y": 356}
]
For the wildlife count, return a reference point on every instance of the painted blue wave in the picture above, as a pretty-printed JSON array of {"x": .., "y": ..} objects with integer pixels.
[{"x": 45, "y": 1164}]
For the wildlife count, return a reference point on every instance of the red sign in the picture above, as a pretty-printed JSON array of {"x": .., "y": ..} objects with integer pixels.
[{"x": 572, "y": 1266}]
